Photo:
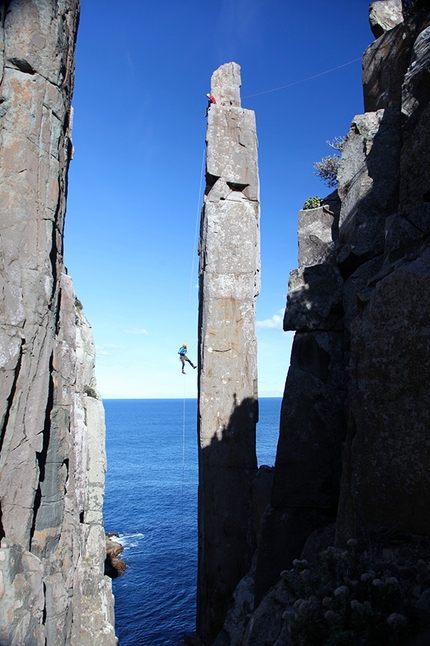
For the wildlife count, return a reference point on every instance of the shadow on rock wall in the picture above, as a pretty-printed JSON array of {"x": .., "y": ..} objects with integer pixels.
[
  {"x": 359, "y": 313},
  {"x": 227, "y": 542}
]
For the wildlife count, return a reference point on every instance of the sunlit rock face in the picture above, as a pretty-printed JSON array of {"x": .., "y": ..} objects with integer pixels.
[
  {"x": 385, "y": 15},
  {"x": 229, "y": 283},
  {"x": 52, "y": 463}
]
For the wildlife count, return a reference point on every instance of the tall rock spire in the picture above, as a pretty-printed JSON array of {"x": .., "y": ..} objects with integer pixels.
[{"x": 228, "y": 407}]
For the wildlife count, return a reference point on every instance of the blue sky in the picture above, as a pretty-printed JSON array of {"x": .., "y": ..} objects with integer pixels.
[{"x": 142, "y": 72}]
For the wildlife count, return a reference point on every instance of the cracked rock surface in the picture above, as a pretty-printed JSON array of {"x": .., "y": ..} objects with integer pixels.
[
  {"x": 53, "y": 590},
  {"x": 229, "y": 283},
  {"x": 353, "y": 453}
]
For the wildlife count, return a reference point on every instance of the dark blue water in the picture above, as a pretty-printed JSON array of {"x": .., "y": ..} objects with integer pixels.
[{"x": 151, "y": 501}]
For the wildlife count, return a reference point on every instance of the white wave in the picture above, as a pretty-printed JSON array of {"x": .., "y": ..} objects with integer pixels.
[{"x": 129, "y": 540}]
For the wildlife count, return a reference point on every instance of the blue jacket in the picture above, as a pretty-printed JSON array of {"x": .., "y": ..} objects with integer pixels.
[{"x": 182, "y": 350}]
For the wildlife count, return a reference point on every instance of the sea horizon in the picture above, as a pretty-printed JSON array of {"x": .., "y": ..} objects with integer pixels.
[
  {"x": 169, "y": 398},
  {"x": 151, "y": 502}
]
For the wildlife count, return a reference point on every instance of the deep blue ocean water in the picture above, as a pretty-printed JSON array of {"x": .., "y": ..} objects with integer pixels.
[{"x": 151, "y": 502}]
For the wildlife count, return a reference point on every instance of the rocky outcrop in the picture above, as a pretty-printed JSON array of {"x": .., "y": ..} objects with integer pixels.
[
  {"x": 353, "y": 454},
  {"x": 227, "y": 416},
  {"x": 387, "y": 60},
  {"x": 307, "y": 470},
  {"x": 52, "y": 462},
  {"x": 114, "y": 566},
  {"x": 359, "y": 358},
  {"x": 388, "y": 351},
  {"x": 384, "y": 15},
  {"x": 95, "y": 621}
]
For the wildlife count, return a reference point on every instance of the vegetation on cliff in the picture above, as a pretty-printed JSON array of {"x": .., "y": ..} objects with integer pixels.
[
  {"x": 370, "y": 593},
  {"x": 327, "y": 168}
]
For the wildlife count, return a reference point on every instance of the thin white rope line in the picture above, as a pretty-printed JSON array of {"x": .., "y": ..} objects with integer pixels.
[
  {"x": 183, "y": 434},
  {"x": 182, "y": 479},
  {"x": 309, "y": 78},
  {"x": 199, "y": 206}
]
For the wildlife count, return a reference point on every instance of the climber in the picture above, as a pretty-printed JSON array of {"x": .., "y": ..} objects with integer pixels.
[
  {"x": 183, "y": 357},
  {"x": 211, "y": 99}
]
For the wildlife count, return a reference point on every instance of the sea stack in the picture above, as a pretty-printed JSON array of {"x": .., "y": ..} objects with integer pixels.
[
  {"x": 229, "y": 278},
  {"x": 52, "y": 462}
]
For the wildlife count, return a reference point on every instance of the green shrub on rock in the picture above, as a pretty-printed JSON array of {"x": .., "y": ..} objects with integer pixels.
[{"x": 312, "y": 203}]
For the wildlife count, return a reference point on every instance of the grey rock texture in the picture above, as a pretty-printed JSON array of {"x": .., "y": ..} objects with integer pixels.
[
  {"x": 312, "y": 419},
  {"x": 389, "y": 358},
  {"x": 314, "y": 298},
  {"x": 390, "y": 408},
  {"x": 368, "y": 180},
  {"x": 308, "y": 460},
  {"x": 384, "y": 15},
  {"x": 354, "y": 446},
  {"x": 386, "y": 61},
  {"x": 416, "y": 78},
  {"x": 228, "y": 408},
  {"x": 414, "y": 161},
  {"x": 225, "y": 85},
  {"x": 352, "y": 455},
  {"x": 96, "y": 620},
  {"x": 267, "y": 625},
  {"x": 52, "y": 585},
  {"x": 317, "y": 231},
  {"x": 239, "y": 613}
]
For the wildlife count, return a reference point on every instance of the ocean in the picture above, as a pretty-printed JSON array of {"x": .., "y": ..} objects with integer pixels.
[{"x": 151, "y": 502}]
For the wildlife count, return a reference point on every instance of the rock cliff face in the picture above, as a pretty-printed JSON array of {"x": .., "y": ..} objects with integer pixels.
[
  {"x": 353, "y": 457},
  {"x": 229, "y": 283},
  {"x": 358, "y": 302},
  {"x": 52, "y": 462}
]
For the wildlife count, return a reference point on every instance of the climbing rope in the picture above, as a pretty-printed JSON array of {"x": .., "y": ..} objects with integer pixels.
[
  {"x": 182, "y": 481},
  {"x": 308, "y": 78}
]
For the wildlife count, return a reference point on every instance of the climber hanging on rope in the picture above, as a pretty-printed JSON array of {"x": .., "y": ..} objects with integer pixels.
[
  {"x": 211, "y": 99},
  {"x": 183, "y": 357}
]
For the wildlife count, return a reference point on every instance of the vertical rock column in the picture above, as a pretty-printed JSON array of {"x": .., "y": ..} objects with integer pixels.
[
  {"x": 52, "y": 585},
  {"x": 228, "y": 406}
]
